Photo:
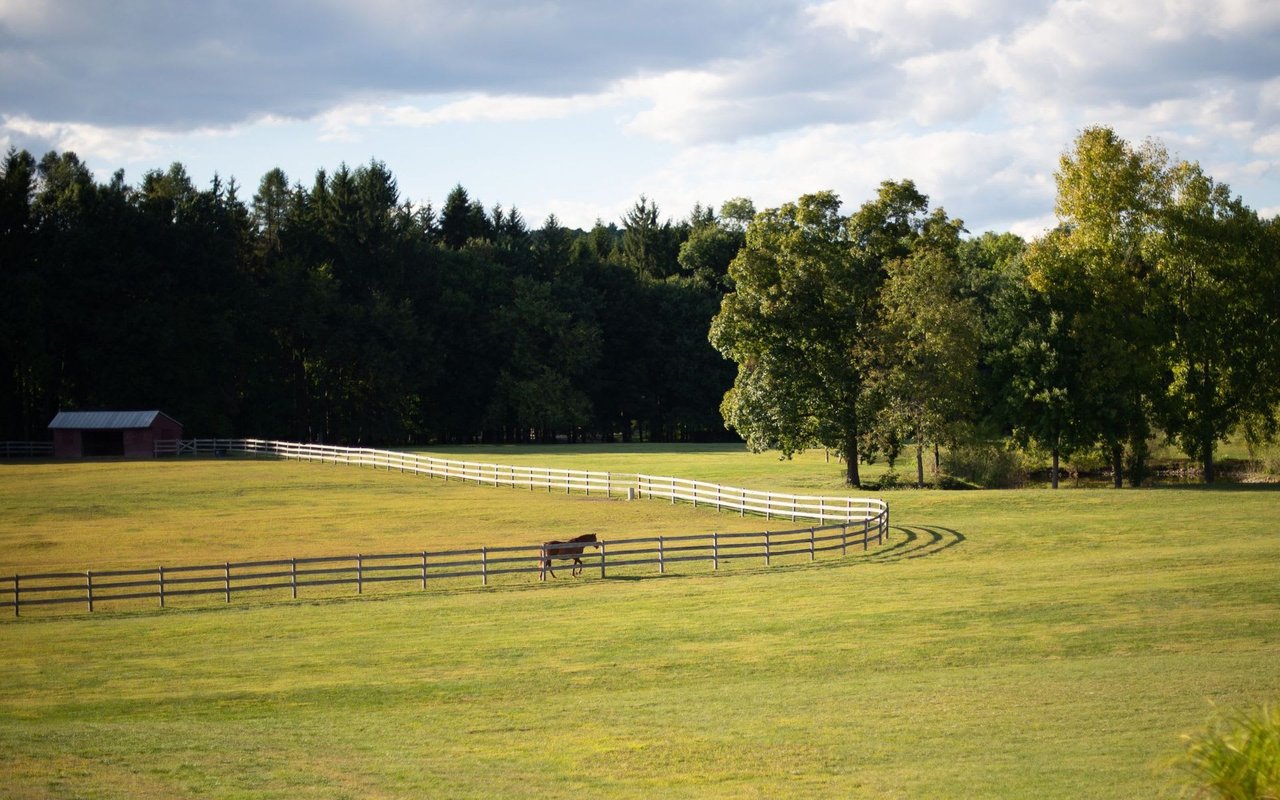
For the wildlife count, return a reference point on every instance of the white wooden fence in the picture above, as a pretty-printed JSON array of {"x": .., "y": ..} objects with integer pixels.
[
  {"x": 26, "y": 449},
  {"x": 769, "y": 505}
]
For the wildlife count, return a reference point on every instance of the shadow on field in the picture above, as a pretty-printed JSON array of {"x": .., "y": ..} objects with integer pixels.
[
  {"x": 904, "y": 542},
  {"x": 919, "y": 541}
]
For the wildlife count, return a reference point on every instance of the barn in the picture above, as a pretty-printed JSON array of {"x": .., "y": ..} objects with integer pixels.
[{"x": 132, "y": 434}]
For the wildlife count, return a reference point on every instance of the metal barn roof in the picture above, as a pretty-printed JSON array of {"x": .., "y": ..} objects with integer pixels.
[{"x": 106, "y": 420}]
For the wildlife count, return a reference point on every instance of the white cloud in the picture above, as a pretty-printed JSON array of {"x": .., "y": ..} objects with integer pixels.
[
  {"x": 974, "y": 99},
  {"x": 908, "y": 27},
  {"x": 343, "y": 122},
  {"x": 1268, "y": 145},
  {"x": 110, "y": 144}
]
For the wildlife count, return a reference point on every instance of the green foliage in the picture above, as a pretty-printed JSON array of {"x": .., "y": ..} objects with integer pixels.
[
  {"x": 342, "y": 312},
  {"x": 801, "y": 323},
  {"x": 1222, "y": 293},
  {"x": 1237, "y": 758},
  {"x": 987, "y": 464},
  {"x": 1093, "y": 273},
  {"x": 925, "y": 374}
]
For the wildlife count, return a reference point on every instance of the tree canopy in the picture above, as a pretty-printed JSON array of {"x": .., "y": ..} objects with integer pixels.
[{"x": 340, "y": 311}]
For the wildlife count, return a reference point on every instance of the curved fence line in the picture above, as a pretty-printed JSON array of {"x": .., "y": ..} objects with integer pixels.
[
  {"x": 745, "y": 501},
  {"x": 848, "y": 522},
  {"x": 166, "y": 584}
]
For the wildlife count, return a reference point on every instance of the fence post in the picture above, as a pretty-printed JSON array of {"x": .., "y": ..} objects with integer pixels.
[
  {"x": 17, "y": 596},
  {"x": 293, "y": 577},
  {"x": 742, "y": 502},
  {"x": 359, "y": 573},
  {"x": 161, "y": 571},
  {"x": 226, "y": 578},
  {"x": 767, "y": 554},
  {"x": 812, "y": 552},
  {"x": 866, "y": 532},
  {"x": 715, "y": 551},
  {"x": 768, "y": 505},
  {"x": 88, "y": 580},
  {"x": 484, "y": 566},
  {"x": 424, "y": 569},
  {"x": 601, "y": 546},
  {"x": 844, "y": 539},
  {"x": 662, "y": 557}
]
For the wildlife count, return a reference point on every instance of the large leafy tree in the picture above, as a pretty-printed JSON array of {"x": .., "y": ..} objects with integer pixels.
[
  {"x": 800, "y": 322},
  {"x": 925, "y": 376},
  {"x": 1101, "y": 283},
  {"x": 1035, "y": 361},
  {"x": 1223, "y": 317}
]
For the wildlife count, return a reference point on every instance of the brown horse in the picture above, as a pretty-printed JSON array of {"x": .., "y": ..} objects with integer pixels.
[{"x": 564, "y": 551}]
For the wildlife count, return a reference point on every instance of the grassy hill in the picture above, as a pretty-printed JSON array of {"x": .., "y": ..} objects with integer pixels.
[{"x": 1001, "y": 644}]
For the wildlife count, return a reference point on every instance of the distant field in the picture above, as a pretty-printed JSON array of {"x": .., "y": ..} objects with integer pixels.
[
  {"x": 1002, "y": 644},
  {"x": 57, "y": 515}
]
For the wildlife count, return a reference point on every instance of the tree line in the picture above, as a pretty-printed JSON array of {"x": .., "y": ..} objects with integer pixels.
[
  {"x": 1152, "y": 309},
  {"x": 340, "y": 312}
]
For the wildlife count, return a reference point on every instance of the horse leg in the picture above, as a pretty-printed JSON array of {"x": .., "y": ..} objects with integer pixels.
[{"x": 577, "y": 567}]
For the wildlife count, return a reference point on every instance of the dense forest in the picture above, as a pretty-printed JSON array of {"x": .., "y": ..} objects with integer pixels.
[{"x": 341, "y": 312}]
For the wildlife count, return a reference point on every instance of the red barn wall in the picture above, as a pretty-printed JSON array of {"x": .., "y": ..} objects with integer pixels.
[{"x": 66, "y": 444}]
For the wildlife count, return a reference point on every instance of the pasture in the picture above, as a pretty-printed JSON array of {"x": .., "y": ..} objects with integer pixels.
[{"x": 1001, "y": 644}]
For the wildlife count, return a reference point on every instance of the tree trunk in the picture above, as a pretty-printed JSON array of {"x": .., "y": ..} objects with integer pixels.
[
  {"x": 1054, "y": 473},
  {"x": 1206, "y": 449},
  {"x": 919, "y": 466},
  {"x": 1137, "y": 458},
  {"x": 937, "y": 463},
  {"x": 1117, "y": 465},
  {"x": 851, "y": 461}
]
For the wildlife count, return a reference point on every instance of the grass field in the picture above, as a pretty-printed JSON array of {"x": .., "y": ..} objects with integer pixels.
[{"x": 1001, "y": 644}]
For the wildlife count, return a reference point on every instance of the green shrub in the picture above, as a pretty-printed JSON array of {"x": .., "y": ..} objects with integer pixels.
[
  {"x": 890, "y": 480},
  {"x": 988, "y": 464},
  {"x": 1237, "y": 758}
]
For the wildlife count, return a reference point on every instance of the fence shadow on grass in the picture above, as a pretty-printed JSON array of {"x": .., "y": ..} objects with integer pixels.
[
  {"x": 919, "y": 542},
  {"x": 903, "y": 543}
]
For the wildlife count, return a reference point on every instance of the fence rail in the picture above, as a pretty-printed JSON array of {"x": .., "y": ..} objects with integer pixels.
[
  {"x": 26, "y": 449},
  {"x": 769, "y": 505},
  {"x": 163, "y": 584},
  {"x": 837, "y": 524}
]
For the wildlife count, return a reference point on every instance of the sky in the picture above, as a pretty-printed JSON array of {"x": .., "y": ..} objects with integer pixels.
[{"x": 579, "y": 107}]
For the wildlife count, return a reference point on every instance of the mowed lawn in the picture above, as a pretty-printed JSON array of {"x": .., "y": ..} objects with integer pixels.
[{"x": 1001, "y": 644}]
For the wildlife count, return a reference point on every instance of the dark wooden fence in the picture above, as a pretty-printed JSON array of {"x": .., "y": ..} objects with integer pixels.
[{"x": 162, "y": 584}]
